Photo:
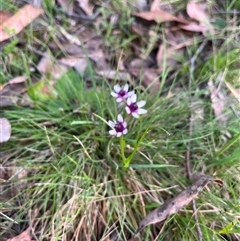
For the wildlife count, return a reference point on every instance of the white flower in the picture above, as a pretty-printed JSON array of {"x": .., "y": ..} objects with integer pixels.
[
  {"x": 121, "y": 93},
  {"x": 133, "y": 107},
  {"x": 119, "y": 127}
]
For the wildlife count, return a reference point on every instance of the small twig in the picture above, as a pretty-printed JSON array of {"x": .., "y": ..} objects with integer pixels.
[
  {"x": 188, "y": 153},
  {"x": 227, "y": 12},
  {"x": 200, "y": 236}
]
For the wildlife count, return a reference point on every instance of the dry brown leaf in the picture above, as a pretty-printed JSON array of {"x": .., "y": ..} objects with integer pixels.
[
  {"x": 16, "y": 80},
  {"x": 48, "y": 67},
  {"x": 13, "y": 91},
  {"x": 159, "y": 16},
  {"x": 194, "y": 27},
  {"x": 197, "y": 11},
  {"x": 84, "y": 4},
  {"x": 80, "y": 64},
  {"x": 24, "y": 236},
  {"x": 4, "y": 15},
  {"x": 219, "y": 102},
  {"x": 18, "y": 21},
  {"x": 180, "y": 201},
  {"x": 5, "y": 130}
]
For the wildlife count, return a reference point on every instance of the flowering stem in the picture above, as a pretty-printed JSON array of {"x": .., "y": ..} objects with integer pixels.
[
  {"x": 128, "y": 160},
  {"x": 122, "y": 148}
]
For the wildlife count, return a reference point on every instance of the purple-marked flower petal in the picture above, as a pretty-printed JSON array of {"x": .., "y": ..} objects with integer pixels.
[
  {"x": 130, "y": 93},
  {"x": 120, "y": 118},
  {"x": 119, "y": 99},
  {"x": 119, "y": 127},
  {"x": 119, "y": 134},
  {"x": 114, "y": 94},
  {"x": 112, "y": 132},
  {"x": 133, "y": 98},
  {"x": 142, "y": 111},
  {"x": 111, "y": 123},
  {"x": 127, "y": 110},
  {"x": 141, "y": 103},
  {"x": 134, "y": 107},
  {"x": 125, "y": 132},
  {"x": 125, "y": 88},
  {"x": 135, "y": 115},
  {"x": 121, "y": 93},
  {"x": 117, "y": 88}
]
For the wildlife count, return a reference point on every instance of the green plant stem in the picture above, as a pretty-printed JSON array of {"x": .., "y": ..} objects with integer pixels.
[{"x": 122, "y": 148}]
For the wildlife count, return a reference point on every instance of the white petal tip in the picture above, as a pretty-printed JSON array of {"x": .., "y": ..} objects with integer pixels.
[
  {"x": 142, "y": 111},
  {"x": 135, "y": 115}
]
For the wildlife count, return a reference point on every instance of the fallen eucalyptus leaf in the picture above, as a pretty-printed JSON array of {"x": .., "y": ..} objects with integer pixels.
[
  {"x": 173, "y": 205},
  {"x": 16, "y": 23}
]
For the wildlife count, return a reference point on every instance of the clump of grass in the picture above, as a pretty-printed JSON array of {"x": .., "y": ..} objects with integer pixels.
[
  {"x": 65, "y": 180},
  {"x": 69, "y": 175}
]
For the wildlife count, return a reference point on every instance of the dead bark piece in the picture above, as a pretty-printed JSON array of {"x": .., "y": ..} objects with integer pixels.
[{"x": 180, "y": 201}]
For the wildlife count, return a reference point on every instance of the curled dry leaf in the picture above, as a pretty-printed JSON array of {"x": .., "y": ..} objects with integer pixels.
[
  {"x": 5, "y": 130},
  {"x": 197, "y": 11},
  {"x": 18, "y": 21},
  {"x": 194, "y": 27},
  {"x": 159, "y": 16},
  {"x": 180, "y": 201},
  {"x": 16, "y": 80}
]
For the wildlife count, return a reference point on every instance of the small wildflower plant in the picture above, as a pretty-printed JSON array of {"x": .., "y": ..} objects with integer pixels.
[{"x": 119, "y": 126}]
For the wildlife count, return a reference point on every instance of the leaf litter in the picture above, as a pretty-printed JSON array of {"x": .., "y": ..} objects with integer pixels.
[{"x": 175, "y": 204}]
